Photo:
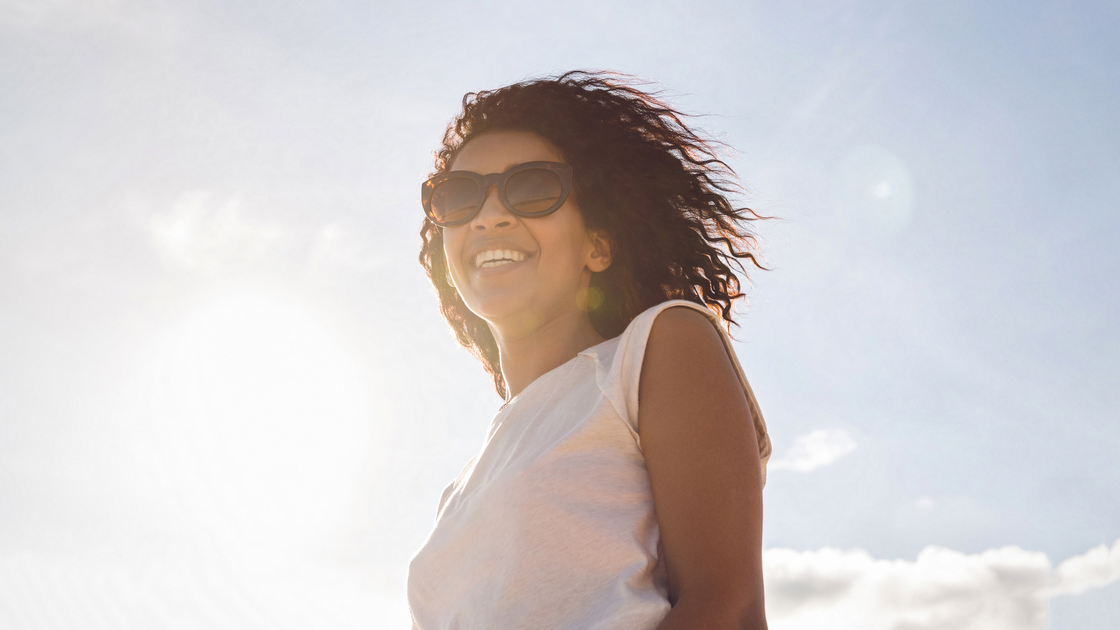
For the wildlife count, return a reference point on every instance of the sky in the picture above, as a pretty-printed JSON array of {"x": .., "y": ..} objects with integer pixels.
[{"x": 227, "y": 399}]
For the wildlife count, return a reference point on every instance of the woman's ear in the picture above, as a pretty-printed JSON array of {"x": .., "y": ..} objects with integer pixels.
[{"x": 600, "y": 257}]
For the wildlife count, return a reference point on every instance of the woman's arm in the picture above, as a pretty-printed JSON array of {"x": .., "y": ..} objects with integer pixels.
[{"x": 699, "y": 441}]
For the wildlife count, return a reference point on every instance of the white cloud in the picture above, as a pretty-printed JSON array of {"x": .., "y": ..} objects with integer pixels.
[
  {"x": 202, "y": 232},
  {"x": 206, "y": 232},
  {"x": 1095, "y": 568},
  {"x": 999, "y": 589},
  {"x": 814, "y": 450}
]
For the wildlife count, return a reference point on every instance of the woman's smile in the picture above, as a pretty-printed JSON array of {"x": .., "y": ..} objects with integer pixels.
[
  {"x": 497, "y": 257},
  {"x": 499, "y": 263}
]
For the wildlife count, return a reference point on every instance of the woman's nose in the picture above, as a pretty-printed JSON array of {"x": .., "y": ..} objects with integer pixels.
[{"x": 493, "y": 215}]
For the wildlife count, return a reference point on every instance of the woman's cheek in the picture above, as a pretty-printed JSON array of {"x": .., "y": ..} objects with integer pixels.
[{"x": 452, "y": 254}]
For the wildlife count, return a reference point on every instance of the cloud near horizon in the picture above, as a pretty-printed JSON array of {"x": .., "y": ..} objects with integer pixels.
[
  {"x": 999, "y": 589},
  {"x": 815, "y": 450}
]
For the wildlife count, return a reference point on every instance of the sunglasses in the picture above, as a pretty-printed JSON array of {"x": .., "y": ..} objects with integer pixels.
[{"x": 532, "y": 189}]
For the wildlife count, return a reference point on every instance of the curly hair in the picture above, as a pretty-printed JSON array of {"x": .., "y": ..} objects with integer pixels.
[{"x": 655, "y": 187}]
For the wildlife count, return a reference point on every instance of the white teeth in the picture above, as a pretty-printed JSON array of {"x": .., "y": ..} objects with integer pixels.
[{"x": 495, "y": 257}]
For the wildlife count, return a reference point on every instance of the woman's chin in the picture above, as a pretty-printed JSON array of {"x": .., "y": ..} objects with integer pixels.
[{"x": 499, "y": 306}]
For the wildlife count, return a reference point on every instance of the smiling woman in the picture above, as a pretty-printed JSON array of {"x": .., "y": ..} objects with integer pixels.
[{"x": 582, "y": 246}]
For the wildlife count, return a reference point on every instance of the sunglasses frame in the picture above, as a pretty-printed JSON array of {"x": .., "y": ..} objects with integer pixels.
[{"x": 561, "y": 170}]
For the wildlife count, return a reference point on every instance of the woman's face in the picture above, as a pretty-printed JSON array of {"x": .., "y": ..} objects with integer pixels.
[{"x": 544, "y": 262}]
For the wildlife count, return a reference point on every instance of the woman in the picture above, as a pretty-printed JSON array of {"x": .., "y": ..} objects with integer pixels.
[{"x": 581, "y": 243}]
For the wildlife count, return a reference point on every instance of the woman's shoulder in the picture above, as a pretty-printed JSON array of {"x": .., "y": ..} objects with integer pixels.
[
  {"x": 620, "y": 364},
  {"x": 685, "y": 341},
  {"x": 676, "y": 311},
  {"x": 681, "y": 318},
  {"x": 685, "y": 349},
  {"x": 671, "y": 315},
  {"x": 669, "y": 319}
]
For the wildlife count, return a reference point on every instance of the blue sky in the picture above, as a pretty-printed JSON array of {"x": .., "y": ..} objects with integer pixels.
[{"x": 220, "y": 364}]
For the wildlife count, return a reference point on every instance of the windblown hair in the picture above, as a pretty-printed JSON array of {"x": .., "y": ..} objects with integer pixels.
[{"x": 655, "y": 187}]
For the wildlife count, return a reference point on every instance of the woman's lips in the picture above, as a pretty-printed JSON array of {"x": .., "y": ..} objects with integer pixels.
[
  {"x": 496, "y": 257},
  {"x": 503, "y": 266}
]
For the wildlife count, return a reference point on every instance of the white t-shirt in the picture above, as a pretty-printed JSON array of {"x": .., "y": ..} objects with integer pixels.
[{"x": 552, "y": 524}]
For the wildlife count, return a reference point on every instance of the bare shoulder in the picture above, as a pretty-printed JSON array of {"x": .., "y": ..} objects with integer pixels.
[
  {"x": 683, "y": 319},
  {"x": 688, "y": 376},
  {"x": 683, "y": 346}
]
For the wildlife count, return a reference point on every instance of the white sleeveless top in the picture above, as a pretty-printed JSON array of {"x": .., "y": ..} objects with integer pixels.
[{"x": 552, "y": 524}]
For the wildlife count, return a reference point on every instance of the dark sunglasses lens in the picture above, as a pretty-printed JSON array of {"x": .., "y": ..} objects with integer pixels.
[
  {"x": 533, "y": 191},
  {"x": 454, "y": 200}
]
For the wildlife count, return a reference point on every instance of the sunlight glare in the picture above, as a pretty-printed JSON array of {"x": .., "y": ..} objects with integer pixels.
[{"x": 278, "y": 416}]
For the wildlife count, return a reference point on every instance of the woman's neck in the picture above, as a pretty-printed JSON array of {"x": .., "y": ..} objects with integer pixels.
[{"x": 527, "y": 356}]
